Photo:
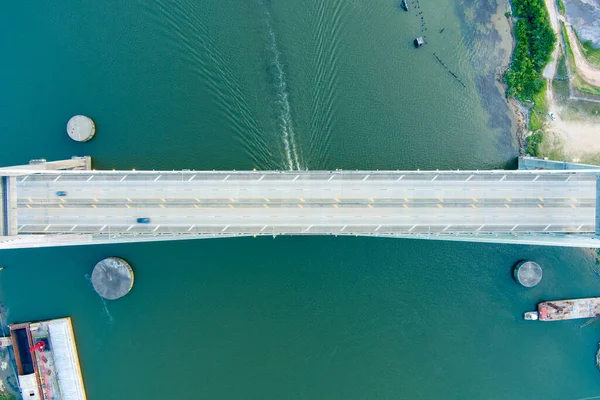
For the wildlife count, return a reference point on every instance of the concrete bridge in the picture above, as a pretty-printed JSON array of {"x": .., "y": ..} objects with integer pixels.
[{"x": 552, "y": 207}]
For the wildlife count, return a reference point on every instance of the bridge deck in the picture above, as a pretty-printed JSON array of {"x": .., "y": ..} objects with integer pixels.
[{"x": 363, "y": 203}]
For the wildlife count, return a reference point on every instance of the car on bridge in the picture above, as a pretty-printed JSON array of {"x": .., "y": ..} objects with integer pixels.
[
  {"x": 144, "y": 220},
  {"x": 61, "y": 193}
]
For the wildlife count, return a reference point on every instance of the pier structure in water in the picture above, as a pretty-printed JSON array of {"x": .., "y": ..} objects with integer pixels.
[
  {"x": 47, "y": 361},
  {"x": 67, "y": 203}
]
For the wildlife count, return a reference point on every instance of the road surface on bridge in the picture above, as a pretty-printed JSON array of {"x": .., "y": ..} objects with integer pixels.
[{"x": 305, "y": 203}]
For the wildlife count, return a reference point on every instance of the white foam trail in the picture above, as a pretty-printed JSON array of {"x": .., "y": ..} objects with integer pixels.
[
  {"x": 104, "y": 305},
  {"x": 285, "y": 115}
]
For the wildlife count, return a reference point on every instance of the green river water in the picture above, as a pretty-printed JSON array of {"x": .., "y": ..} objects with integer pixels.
[{"x": 278, "y": 84}]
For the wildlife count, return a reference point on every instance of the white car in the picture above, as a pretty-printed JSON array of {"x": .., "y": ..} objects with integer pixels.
[{"x": 552, "y": 116}]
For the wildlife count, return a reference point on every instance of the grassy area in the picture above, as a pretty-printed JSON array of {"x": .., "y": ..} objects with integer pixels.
[
  {"x": 561, "y": 69},
  {"x": 569, "y": 49},
  {"x": 591, "y": 54},
  {"x": 539, "y": 101},
  {"x": 539, "y": 110},
  {"x": 533, "y": 143},
  {"x": 561, "y": 7}
]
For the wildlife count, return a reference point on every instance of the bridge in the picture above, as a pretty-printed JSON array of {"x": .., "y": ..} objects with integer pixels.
[{"x": 527, "y": 206}]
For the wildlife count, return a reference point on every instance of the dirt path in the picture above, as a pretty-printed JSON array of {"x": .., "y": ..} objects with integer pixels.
[
  {"x": 575, "y": 139},
  {"x": 589, "y": 74}
]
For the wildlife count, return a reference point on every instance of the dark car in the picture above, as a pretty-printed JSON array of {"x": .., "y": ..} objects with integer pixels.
[
  {"x": 61, "y": 194},
  {"x": 143, "y": 220}
]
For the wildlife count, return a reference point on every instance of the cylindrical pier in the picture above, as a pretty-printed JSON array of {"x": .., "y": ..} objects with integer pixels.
[
  {"x": 527, "y": 273},
  {"x": 81, "y": 128},
  {"x": 112, "y": 278}
]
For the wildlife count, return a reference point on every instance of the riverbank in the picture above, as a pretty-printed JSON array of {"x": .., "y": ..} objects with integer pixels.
[{"x": 571, "y": 132}]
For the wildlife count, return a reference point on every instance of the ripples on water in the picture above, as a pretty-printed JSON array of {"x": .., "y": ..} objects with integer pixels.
[
  {"x": 328, "y": 17},
  {"x": 180, "y": 21}
]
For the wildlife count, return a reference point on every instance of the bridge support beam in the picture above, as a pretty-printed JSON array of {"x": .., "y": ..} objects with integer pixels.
[
  {"x": 75, "y": 163},
  {"x": 532, "y": 163},
  {"x": 9, "y": 206}
]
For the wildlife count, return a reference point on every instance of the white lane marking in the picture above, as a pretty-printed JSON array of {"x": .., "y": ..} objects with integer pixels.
[
  {"x": 57, "y": 178},
  {"x": 127, "y": 230},
  {"x": 261, "y": 178},
  {"x": 103, "y": 226},
  {"x": 366, "y": 177},
  {"x": 413, "y": 227},
  {"x": 24, "y": 179},
  {"x": 223, "y": 230},
  {"x": 343, "y": 228},
  {"x": 536, "y": 178},
  {"x": 294, "y": 180},
  {"x": 579, "y": 227},
  {"x": 157, "y": 178},
  {"x": 90, "y": 178},
  {"x": 399, "y": 179},
  {"x": 155, "y": 229},
  {"x": 503, "y": 178},
  {"x": 469, "y": 178},
  {"x": 192, "y": 178},
  {"x": 263, "y": 228},
  {"x": 308, "y": 229},
  {"x": 478, "y": 229},
  {"x": 123, "y": 178},
  {"x": 376, "y": 229},
  {"x": 546, "y": 228},
  {"x": 46, "y": 228},
  {"x": 227, "y": 177},
  {"x": 434, "y": 178},
  {"x": 444, "y": 230},
  {"x": 21, "y": 227},
  {"x": 332, "y": 176},
  {"x": 74, "y": 226},
  {"x": 565, "y": 181},
  {"x": 191, "y": 227},
  {"x": 514, "y": 227}
]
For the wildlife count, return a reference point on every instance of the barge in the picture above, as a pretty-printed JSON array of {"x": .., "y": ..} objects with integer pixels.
[
  {"x": 47, "y": 361},
  {"x": 560, "y": 310}
]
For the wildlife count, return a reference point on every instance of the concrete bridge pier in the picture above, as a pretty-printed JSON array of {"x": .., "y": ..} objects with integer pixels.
[{"x": 83, "y": 163}]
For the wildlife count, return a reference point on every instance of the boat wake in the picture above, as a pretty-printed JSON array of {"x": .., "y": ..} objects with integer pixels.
[{"x": 282, "y": 101}]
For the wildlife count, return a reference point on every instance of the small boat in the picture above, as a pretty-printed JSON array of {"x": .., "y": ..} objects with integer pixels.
[
  {"x": 404, "y": 5},
  {"x": 531, "y": 316}
]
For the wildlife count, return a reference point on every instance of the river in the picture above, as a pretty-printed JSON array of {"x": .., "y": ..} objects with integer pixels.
[{"x": 269, "y": 84}]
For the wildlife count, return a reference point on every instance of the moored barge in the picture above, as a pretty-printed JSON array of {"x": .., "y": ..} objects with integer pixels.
[{"x": 559, "y": 310}]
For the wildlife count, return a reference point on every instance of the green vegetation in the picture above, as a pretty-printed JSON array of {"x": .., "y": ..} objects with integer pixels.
[
  {"x": 561, "y": 69},
  {"x": 535, "y": 42},
  {"x": 539, "y": 109},
  {"x": 535, "y": 122},
  {"x": 561, "y": 7},
  {"x": 6, "y": 396},
  {"x": 533, "y": 143},
  {"x": 590, "y": 53},
  {"x": 507, "y": 14}
]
